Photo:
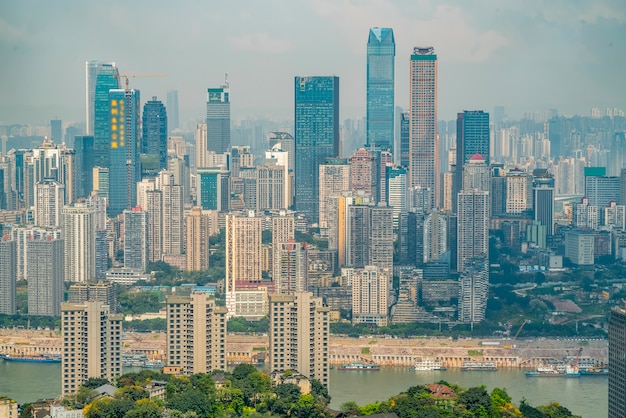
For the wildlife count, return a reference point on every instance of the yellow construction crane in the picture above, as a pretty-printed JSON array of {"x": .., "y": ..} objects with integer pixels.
[{"x": 135, "y": 75}]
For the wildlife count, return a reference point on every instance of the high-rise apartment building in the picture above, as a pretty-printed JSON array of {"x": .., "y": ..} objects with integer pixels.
[
  {"x": 136, "y": 239},
  {"x": 45, "y": 277},
  {"x": 474, "y": 290},
  {"x": 154, "y": 207},
  {"x": 279, "y": 159},
  {"x": 396, "y": 195},
  {"x": 49, "y": 202},
  {"x": 405, "y": 139},
  {"x": 518, "y": 192},
  {"x": 284, "y": 142},
  {"x": 218, "y": 119},
  {"x": 334, "y": 179},
  {"x": 125, "y": 134},
  {"x": 102, "y": 292},
  {"x": 92, "y": 344},
  {"x": 472, "y": 226},
  {"x": 283, "y": 230},
  {"x": 154, "y": 138},
  {"x": 172, "y": 115},
  {"x": 8, "y": 275},
  {"x": 243, "y": 252},
  {"x": 197, "y": 233},
  {"x": 600, "y": 189},
  {"x": 424, "y": 144},
  {"x": 196, "y": 334},
  {"x": 299, "y": 335},
  {"x": 617, "y": 362},
  {"x": 370, "y": 296},
  {"x": 370, "y": 236},
  {"x": 381, "y": 57},
  {"x": 316, "y": 136},
  {"x": 79, "y": 234},
  {"x": 364, "y": 173},
  {"x": 291, "y": 267},
  {"x": 98, "y": 108},
  {"x": 173, "y": 237},
  {"x": 270, "y": 186},
  {"x": 435, "y": 236}
]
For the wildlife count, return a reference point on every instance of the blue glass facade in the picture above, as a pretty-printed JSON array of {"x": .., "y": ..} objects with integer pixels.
[
  {"x": 316, "y": 136},
  {"x": 84, "y": 148},
  {"x": 154, "y": 138},
  {"x": 107, "y": 79},
  {"x": 124, "y": 165},
  {"x": 472, "y": 137},
  {"x": 381, "y": 56}
]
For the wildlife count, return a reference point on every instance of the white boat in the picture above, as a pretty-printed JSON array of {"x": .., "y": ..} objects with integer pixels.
[{"x": 428, "y": 365}]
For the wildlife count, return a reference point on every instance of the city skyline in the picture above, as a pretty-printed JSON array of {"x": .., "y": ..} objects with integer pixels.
[{"x": 498, "y": 48}]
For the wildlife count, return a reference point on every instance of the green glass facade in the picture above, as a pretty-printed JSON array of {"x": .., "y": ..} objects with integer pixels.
[
  {"x": 381, "y": 56},
  {"x": 107, "y": 79}
]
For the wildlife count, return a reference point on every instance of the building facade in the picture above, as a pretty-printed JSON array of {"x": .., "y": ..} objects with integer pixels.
[
  {"x": 370, "y": 296},
  {"x": 45, "y": 277},
  {"x": 136, "y": 239},
  {"x": 154, "y": 138},
  {"x": 617, "y": 362},
  {"x": 79, "y": 234},
  {"x": 218, "y": 119},
  {"x": 472, "y": 226},
  {"x": 8, "y": 275}
]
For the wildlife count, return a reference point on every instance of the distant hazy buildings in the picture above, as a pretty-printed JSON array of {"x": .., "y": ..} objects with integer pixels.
[
  {"x": 617, "y": 362},
  {"x": 154, "y": 137},
  {"x": 218, "y": 119},
  {"x": 93, "y": 344},
  {"x": 197, "y": 233},
  {"x": 316, "y": 136},
  {"x": 299, "y": 335},
  {"x": 424, "y": 144},
  {"x": 381, "y": 53},
  {"x": 172, "y": 114}
]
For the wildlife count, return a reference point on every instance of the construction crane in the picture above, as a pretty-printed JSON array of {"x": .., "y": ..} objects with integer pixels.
[
  {"x": 580, "y": 352},
  {"x": 135, "y": 75}
]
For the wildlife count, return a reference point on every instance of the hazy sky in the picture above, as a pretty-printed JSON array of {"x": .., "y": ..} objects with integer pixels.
[{"x": 525, "y": 55}]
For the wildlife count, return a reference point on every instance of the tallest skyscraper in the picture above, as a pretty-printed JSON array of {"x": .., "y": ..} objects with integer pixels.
[{"x": 381, "y": 56}]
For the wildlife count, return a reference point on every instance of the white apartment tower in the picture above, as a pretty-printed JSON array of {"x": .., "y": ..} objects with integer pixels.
[
  {"x": 79, "y": 233},
  {"x": 370, "y": 296},
  {"x": 472, "y": 226}
]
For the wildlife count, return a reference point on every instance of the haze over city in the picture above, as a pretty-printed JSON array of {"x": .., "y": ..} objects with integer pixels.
[{"x": 526, "y": 56}]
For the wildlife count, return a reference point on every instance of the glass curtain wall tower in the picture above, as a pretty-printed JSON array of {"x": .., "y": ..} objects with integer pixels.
[
  {"x": 381, "y": 55},
  {"x": 218, "y": 119},
  {"x": 107, "y": 79},
  {"x": 317, "y": 136},
  {"x": 154, "y": 139}
]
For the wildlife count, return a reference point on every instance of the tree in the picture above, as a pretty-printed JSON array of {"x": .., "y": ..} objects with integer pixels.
[
  {"x": 134, "y": 393},
  {"x": 145, "y": 408},
  {"x": 350, "y": 408},
  {"x": 474, "y": 398},
  {"x": 190, "y": 400},
  {"x": 108, "y": 408},
  {"x": 95, "y": 382},
  {"x": 499, "y": 398},
  {"x": 320, "y": 392},
  {"x": 242, "y": 371}
]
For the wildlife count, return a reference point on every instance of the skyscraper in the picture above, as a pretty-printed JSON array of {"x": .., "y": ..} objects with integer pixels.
[
  {"x": 103, "y": 77},
  {"x": 405, "y": 139},
  {"x": 79, "y": 234},
  {"x": 316, "y": 136},
  {"x": 424, "y": 144},
  {"x": 93, "y": 343},
  {"x": 299, "y": 335},
  {"x": 136, "y": 239},
  {"x": 172, "y": 104},
  {"x": 334, "y": 179},
  {"x": 8, "y": 275},
  {"x": 243, "y": 252},
  {"x": 154, "y": 138},
  {"x": 45, "y": 277},
  {"x": 472, "y": 227},
  {"x": 84, "y": 163},
  {"x": 197, "y": 232},
  {"x": 218, "y": 119},
  {"x": 291, "y": 267},
  {"x": 124, "y": 165},
  {"x": 173, "y": 236},
  {"x": 56, "y": 130},
  {"x": 474, "y": 289},
  {"x": 543, "y": 199},
  {"x": 370, "y": 296},
  {"x": 617, "y": 362},
  {"x": 381, "y": 57},
  {"x": 196, "y": 334},
  {"x": 472, "y": 137},
  {"x": 364, "y": 173},
  {"x": 49, "y": 202},
  {"x": 213, "y": 189}
]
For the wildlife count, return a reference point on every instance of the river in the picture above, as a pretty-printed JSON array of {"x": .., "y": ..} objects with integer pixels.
[{"x": 585, "y": 396}]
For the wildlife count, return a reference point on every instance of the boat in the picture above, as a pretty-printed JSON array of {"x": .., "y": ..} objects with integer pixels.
[
  {"x": 427, "y": 365},
  {"x": 481, "y": 366},
  {"x": 357, "y": 365},
  {"x": 48, "y": 358},
  {"x": 594, "y": 371},
  {"x": 552, "y": 371}
]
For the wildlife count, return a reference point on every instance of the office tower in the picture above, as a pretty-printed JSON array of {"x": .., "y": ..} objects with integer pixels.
[
  {"x": 299, "y": 335},
  {"x": 370, "y": 239},
  {"x": 243, "y": 252},
  {"x": 284, "y": 141},
  {"x": 363, "y": 173},
  {"x": 92, "y": 71},
  {"x": 101, "y": 182},
  {"x": 396, "y": 194},
  {"x": 49, "y": 202},
  {"x": 240, "y": 157},
  {"x": 472, "y": 137},
  {"x": 474, "y": 290},
  {"x": 102, "y": 292},
  {"x": 579, "y": 246},
  {"x": 291, "y": 265},
  {"x": 106, "y": 79},
  {"x": 213, "y": 189},
  {"x": 136, "y": 239},
  {"x": 8, "y": 275},
  {"x": 370, "y": 296},
  {"x": 498, "y": 191},
  {"x": 92, "y": 346},
  {"x": 601, "y": 189},
  {"x": 173, "y": 240},
  {"x": 405, "y": 139},
  {"x": 543, "y": 199},
  {"x": 84, "y": 156},
  {"x": 154, "y": 138},
  {"x": 381, "y": 57},
  {"x": 424, "y": 144},
  {"x": 172, "y": 104},
  {"x": 218, "y": 119},
  {"x": 102, "y": 254},
  {"x": 270, "y": 187},
  {"x": 617, "y": 362},
  {"x": 124, "y": 165},
  {"x": 277, "y": 156},
  {"x": 45, "y": 277},
  {"x": 316, "y": 136},
  {"x": 435, "y": 236},
  {"x": 473, "y": 226},
  {"x": 447, "y": 186},
  {"x": 334, "y": 179},
  {"x": 79, "y": 234},
  {"x": 56, "y": 130},
  {"x": 518, "y": 192},
  {"x": 196, "y": 334},
  {"x": 197, "y": 233}
]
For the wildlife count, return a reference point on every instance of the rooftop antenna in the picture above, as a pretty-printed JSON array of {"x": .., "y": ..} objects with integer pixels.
[{"x": 226, "y": 80}]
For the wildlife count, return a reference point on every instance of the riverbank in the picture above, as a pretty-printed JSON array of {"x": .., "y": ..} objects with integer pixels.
[{"x": 386, "y": 351}]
